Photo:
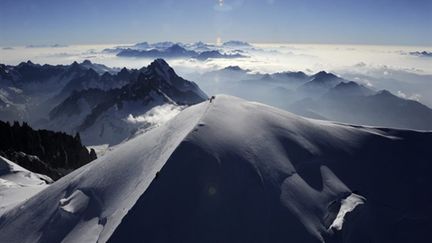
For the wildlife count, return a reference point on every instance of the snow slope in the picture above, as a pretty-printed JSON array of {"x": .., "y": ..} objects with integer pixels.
[
  {"x": 236, "y": 171},
  {"x": 18, "y": 184}
]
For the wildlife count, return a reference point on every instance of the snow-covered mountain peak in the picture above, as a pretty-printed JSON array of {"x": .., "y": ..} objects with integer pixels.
[
  {"x": 228, "y": 170},
  {"x": 161, "y": 76}
]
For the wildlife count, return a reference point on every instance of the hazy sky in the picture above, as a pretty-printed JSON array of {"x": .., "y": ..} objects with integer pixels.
[{"x": 25, "y": 22}]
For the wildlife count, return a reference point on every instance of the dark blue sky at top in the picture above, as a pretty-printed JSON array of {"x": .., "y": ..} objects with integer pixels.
[{"x": 24, "y": 22}]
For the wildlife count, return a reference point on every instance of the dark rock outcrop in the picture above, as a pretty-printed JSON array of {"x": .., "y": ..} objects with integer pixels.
[{"x": 50, "y": 153}]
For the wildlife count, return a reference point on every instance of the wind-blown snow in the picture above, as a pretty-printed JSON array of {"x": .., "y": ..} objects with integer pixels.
[
  {"x": 114, "y": 185},
  {"x": 119, "y": 124},
  {"x": 75, "y": 203},
  {"x": 157, "y": 115},
  {"x": 235, "y": 171}
]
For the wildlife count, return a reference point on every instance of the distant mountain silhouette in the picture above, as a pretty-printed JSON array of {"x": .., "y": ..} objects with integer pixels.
[
  {"x": 322, "y": 95},
  {"x": 216, "y": 54},
  {"x": 321, "y": 82},
  {"x": 352, "y": 103},
  {"x": 174, "y": 51},
  {"x": 236, "y": 43},
  {"x": 177, "y": 51},
  {"x": 421, "y": 53}
]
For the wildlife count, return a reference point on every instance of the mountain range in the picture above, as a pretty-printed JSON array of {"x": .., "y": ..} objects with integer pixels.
[
  {"x": 322, "y": 95},
  {"x": 185, "y": 168},
  {"x": 76, "y": 98},
  {"x": 108, "y": 105},
  {"x": 176, "y": 51}
]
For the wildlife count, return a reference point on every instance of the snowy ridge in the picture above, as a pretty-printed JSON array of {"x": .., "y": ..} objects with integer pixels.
[
  {"x": 111, "y": 195},
  {"x": 21, "y": 176},
  {"x": 18, "y": 184},
  {"x": 235, "y": 171}
]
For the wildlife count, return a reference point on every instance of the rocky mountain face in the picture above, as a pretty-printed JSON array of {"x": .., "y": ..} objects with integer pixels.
[
  {"x": 95, "y": 112},
  {"x": 42, "y": 151},
  {"x": 72, "y": 98},
  {"x": 29, "y": 91}
]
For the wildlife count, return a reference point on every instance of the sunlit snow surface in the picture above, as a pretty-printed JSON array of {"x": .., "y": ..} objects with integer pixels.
[
  {"x": 237, "y": 171},
  {"x": 75, "y": 203},
  {"x": 18, "y": 184}
]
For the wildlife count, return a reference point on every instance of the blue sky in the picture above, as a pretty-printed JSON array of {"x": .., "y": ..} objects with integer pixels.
[{"x": 406, "y": 22}]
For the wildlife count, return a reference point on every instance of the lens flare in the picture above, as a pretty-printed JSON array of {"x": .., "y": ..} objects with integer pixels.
[{"x": 218, "y": 41}]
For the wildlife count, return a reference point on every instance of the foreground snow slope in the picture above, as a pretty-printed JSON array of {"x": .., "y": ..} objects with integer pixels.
[
  {"x": 237, "y": 171},
  {"x": 18, "y": 184}
]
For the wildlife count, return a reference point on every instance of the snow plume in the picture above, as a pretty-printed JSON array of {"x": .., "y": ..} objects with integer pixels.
[{"x": 156, "y": 116}]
